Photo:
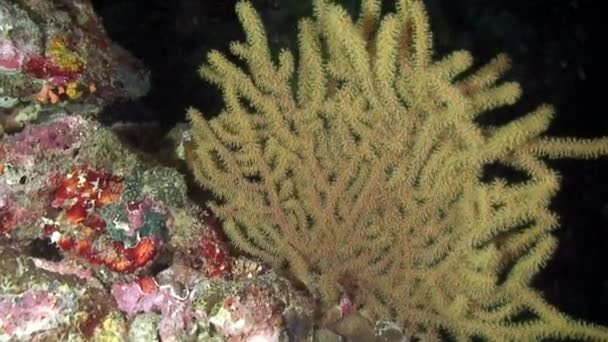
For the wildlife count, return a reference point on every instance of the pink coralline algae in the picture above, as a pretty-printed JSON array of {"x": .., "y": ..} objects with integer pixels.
[
  {"x": 136, "y": 215},
  {"x": 24, "y": 148},
  {"x": 23, "y": 315},
  {"x": 248, "y": 317},
  {"x": 64, "y": 267},
  {"x": 27, "y": 161},
  {"x": 212, "y": 249},
  {"x": 11, "y": 59},
  {"x": 346, "y": 306},
  {"x": 43, "y": 67},
  {"x": 215, "y": 255},
  {"x": 140, "y": 297},
  {"x": 11, "y": 214}
]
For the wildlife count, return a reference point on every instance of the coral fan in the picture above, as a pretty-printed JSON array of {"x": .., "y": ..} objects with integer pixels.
[{"x": 362, "y": 174}]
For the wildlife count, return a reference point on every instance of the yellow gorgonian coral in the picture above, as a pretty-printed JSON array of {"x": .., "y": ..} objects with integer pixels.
[{"x": 357, "y": 166}]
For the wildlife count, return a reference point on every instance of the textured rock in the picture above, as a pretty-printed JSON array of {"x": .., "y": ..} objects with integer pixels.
[{"x": 56, "y": 53}]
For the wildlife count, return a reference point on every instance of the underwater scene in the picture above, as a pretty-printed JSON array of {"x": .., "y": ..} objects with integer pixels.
[{"x": 302, "y": 170}]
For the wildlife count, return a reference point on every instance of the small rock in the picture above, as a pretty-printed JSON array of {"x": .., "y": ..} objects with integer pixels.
[{"x": 325, "y": 335}]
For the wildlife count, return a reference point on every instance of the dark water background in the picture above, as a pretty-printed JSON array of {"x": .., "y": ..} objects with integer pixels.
[{"x": 554, "y": 47}]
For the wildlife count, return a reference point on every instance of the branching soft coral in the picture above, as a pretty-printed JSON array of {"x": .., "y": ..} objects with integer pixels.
[{"x": 361, "y": 165}]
